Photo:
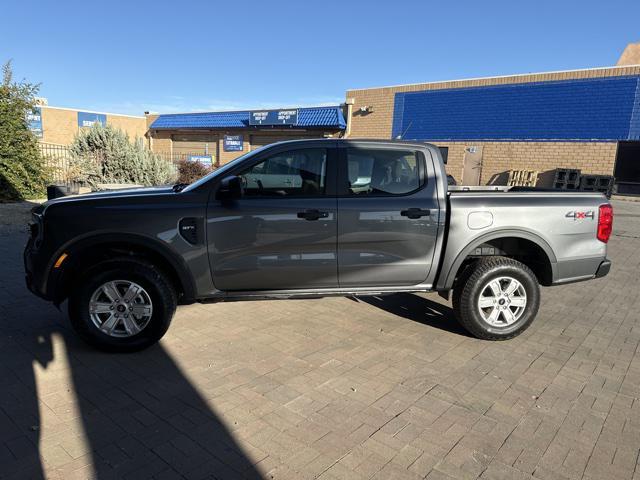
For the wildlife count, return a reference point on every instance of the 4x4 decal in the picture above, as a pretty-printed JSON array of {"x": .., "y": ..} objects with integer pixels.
[{"x": 581, "y": 215}]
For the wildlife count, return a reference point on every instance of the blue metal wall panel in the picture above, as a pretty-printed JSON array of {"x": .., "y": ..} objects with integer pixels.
[
  {"x": 634, "y": 127},
  {"x": 589, "y": 109}
]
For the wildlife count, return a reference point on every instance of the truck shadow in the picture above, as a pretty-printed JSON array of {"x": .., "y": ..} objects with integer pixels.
[
  {"x": 68, "y": 410},
  {"x": 418, "y": 309}
]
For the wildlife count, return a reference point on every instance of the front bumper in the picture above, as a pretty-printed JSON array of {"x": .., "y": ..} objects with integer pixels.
[
  {"x": 603, "y": 269},
  {"x": 32, "y": 279}
]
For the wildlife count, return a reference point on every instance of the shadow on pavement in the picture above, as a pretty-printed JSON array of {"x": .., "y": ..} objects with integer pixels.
[
  {"x": 419, "y": 309},
  {"x": 139, "y": 415}
]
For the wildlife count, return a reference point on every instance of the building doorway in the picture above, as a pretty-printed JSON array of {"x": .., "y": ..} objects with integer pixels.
[
  {"x": 472, "y": 165},
  {"x": 627, "y": 170}
]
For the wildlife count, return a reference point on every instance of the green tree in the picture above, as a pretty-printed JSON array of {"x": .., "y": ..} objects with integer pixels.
[
  {"x": 22, "y": 171},
  {"x": 105, "y": 154}
]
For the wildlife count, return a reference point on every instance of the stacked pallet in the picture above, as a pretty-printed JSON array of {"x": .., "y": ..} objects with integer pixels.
[{"x": 522, "y": 178}]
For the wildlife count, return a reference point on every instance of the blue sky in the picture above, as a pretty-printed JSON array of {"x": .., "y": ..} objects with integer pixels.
[{"x": 128, "y": 57}]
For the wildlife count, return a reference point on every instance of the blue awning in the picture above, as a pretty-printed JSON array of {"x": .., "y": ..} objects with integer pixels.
[{"x": 314, "y": 117}]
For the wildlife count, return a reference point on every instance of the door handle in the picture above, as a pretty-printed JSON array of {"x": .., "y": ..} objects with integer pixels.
[
  {"x": 416, "y": 212},
  {"x": 312, "y": 214}
]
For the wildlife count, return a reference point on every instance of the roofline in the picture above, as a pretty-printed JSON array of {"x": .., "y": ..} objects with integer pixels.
[
  {"x": 393, "y": 141},
  {"x": 261, "y": 128},
  {"x": 246, "y": 111},
  {"x": 513, "y": 75},
  {"x": 92, "y": 111}
]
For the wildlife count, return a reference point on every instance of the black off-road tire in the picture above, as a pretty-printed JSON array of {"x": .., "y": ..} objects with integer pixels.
[
  {"x": 469, "y": 287},
  {"x": 156, "y": 283}
]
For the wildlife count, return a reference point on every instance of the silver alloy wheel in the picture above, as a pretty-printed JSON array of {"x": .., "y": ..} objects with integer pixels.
[
  {"x": 120, "y": 308},
  {"x": 502, "y": 301}
]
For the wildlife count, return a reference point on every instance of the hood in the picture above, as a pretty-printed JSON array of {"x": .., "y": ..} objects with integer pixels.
[{"x": 124, "y": 193}]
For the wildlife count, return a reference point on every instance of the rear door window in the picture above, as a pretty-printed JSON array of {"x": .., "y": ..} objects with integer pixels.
[{"x": 383, "y": 172}]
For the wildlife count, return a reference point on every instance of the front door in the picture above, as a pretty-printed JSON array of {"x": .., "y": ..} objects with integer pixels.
[
  {"x": 282, "y": 233},
  {"x": 388, "y": 217}
]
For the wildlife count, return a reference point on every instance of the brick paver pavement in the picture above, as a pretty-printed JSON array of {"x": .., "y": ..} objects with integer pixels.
[{"x": 385, "y": 388}]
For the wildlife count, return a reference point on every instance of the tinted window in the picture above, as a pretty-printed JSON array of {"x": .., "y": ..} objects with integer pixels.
[
  {"x": 291, "y": 173},
  {"x": 382, "y": 172}
]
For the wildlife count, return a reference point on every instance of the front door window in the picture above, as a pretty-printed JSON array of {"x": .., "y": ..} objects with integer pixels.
[{"x": 294, "y": 173}]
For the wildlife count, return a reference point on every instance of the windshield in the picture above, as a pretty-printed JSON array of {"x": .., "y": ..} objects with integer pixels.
[{"x": 220, "y": 171}]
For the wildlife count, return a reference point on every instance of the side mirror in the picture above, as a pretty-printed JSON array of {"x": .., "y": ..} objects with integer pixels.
[{"x": 230, "y": 188}]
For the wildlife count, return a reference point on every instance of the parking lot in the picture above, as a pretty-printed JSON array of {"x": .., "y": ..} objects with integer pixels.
[{"x": 339, "y": 388}]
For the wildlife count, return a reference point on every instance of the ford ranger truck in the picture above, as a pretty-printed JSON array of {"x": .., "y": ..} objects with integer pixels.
[{"x": 310, "y": 218}]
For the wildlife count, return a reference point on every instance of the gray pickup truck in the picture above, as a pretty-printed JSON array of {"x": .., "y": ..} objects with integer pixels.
[{"x": 311, "y": 218}]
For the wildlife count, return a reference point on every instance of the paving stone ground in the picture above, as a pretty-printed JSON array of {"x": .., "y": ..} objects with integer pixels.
[{"x": 384, "y": 388}]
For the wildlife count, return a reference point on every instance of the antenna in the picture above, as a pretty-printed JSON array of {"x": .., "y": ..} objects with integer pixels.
[{"x": 400, "y": 137}]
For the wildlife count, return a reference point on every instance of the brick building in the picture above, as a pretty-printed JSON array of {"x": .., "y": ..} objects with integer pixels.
[
  {"x": 587, "y": 119},
  {"x": 219, "y": 137},
  {"x": 59, "y": 126}
]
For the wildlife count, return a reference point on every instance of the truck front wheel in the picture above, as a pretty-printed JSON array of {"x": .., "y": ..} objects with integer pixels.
[
  {"x": 122, "y": 305},
  {"x": 496, "y": 298}
]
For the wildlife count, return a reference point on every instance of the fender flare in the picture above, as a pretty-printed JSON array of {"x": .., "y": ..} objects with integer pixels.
[
  {"x": 96, "y": 238},
  {"x": 447, "y": 276}
]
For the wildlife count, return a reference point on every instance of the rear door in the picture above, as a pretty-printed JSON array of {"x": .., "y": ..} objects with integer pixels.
[
  {"x": 281, "y": 235},
  {"x": 387, "y": 216}
]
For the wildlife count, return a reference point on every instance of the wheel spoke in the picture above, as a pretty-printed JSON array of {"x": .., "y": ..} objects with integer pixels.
[
  {"x": 100, "y": 307},
  {"x": 512, "y": 287},
  {"x": 493, "y": 317},
  {"x": 519, "y": 302},
  {"x": 486, "y": 302},
  {"x": 111, "y": 291},
  {"x": 495, "y": 288},
  {"x": 130, "y": 325},
  {"x": 109, "y": 324},
  {"x": 141, "y": 310},
  {"x": 131, "y": 293},
  {"x": 508, "y": 315}
]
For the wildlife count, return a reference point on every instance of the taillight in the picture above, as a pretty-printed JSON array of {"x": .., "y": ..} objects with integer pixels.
[{"x": 605, "y": 223}]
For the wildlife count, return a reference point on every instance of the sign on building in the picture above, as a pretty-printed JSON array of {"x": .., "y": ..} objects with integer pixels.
[
  {"x": 206, "y": 160},
  {"x": 233, "y": 143},
  {"x": 34, "y": 119},
  {"x": 87, "y": 119},
  {"x": 274, "y": 117}
]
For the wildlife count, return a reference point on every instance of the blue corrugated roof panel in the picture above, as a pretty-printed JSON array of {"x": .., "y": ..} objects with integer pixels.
[{"x": 307, "y": 117}]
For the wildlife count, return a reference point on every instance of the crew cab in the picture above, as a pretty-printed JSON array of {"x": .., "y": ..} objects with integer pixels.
[{"x": 309, "y": 218}]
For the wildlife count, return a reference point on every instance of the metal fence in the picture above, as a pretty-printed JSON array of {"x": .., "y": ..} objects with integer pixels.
[
  {"x": 57, "y": 159},
  {"x": 177, "y": 157}
]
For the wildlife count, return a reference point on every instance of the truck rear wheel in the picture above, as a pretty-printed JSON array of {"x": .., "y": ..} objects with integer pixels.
[
  {"x": 496, "y": 298},
  {"x": 122, "y": 305}
]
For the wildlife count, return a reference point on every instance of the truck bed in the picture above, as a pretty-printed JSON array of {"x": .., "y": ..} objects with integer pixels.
[{"x": 504, "y": 188}]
